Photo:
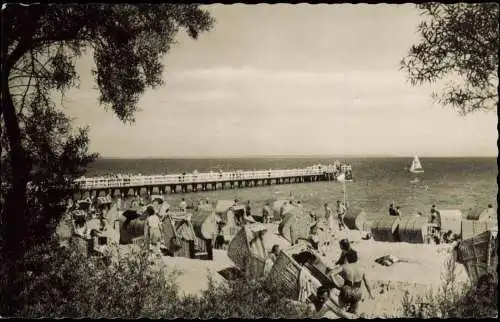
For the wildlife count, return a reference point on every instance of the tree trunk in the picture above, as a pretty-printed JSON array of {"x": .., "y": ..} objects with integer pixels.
[{"x": 15, "y": 206}]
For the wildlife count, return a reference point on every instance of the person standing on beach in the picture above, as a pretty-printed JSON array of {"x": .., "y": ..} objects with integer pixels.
[
  {"x": 328, "y": 216},
  {"x": 434, "y": 214},
  {"x": 282, "y": 209},
  {"x": 340, "y": 214},
  {"x": 219, "y": 239},
  {"x": 248, "y": 209},
  {"x": 392, "y": 211},
  {"x": 314, "y": 237},
  {"x": 183, "y": 205},
  {"x": 314, "y": 218},
  {"x": 351, "y": 292},
  {"x": 153, "y": 230},
  {"x": 266, "y": 213}
]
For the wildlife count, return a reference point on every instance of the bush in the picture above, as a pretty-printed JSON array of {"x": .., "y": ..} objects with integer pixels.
[
  {"x": 455, "y": 300},
  {"x": 241, "y": 299},
  {"x": 56, "y": 282}
]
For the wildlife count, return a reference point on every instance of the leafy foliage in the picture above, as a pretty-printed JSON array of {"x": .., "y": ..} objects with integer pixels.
[
  {"x": 40, "y": 46},
  {"x": 128, "y": 42},
  {"x": 56, "y": 282},
  {"x": 241, "y": 299},
  {"x": 454, "y": 300},
  {"x": 459, "y": 41}
]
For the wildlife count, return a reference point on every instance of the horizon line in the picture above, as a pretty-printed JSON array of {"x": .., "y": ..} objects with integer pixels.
[{"x": 286, "y": 156}]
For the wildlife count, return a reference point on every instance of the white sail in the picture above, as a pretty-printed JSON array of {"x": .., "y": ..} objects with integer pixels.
[{"x": 416, "y": 166}]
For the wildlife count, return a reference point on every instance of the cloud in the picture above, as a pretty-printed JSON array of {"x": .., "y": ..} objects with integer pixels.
[
  {"x": 226, "y": 73},
  {"x": 203, "y": 95},
  {"x": 262, "y": 89}
]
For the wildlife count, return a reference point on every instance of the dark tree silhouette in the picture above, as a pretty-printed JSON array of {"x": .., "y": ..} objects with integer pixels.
[
  {"x": 40, "y": 45},
  {"x": 459, "y": 41}
]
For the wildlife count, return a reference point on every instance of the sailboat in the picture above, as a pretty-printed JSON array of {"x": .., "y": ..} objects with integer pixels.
[{"x": 416, "y": 166}]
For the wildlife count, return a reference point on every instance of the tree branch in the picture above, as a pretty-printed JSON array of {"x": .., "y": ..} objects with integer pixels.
[{"x": 29, "y": 83}]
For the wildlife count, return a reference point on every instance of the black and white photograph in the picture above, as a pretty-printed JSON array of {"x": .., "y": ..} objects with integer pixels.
[{"x": 249, "y": 161}]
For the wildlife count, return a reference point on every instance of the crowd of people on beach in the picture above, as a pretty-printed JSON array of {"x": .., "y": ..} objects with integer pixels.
[
  {"x": 433, "y": 216},
  {"x": 93, "y": 219},
  {"x": 97, "y": 220}
]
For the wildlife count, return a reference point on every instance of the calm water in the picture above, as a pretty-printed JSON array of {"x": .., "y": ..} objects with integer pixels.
[{"x": 450, "y": 183}]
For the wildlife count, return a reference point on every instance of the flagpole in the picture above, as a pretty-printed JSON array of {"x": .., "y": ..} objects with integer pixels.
[{"x": 343, "y": 182}]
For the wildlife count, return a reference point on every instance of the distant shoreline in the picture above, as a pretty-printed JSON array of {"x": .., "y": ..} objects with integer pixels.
[{"x": 310, "y": 156}]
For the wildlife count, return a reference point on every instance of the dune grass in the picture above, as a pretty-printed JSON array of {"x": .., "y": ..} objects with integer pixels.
[{"x": 454, "y": 299}]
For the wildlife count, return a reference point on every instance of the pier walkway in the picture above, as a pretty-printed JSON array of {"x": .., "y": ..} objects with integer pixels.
[{"x": 188, "y": 182}]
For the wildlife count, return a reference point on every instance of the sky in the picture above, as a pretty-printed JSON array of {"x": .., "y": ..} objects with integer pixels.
[{"x": 288, "y": 80}]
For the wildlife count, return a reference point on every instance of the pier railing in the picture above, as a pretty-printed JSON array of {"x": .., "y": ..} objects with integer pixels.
[{"x": 206, "y": 177}]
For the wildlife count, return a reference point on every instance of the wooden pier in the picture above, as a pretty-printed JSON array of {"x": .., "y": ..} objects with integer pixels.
[{"x": 193, "y": 182}]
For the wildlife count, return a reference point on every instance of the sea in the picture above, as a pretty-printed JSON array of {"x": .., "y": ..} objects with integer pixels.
[{"x": 467, "y": 184}]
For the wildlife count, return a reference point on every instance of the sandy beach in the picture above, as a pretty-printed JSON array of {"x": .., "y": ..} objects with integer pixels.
[{"x": 420, "y": 270}]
